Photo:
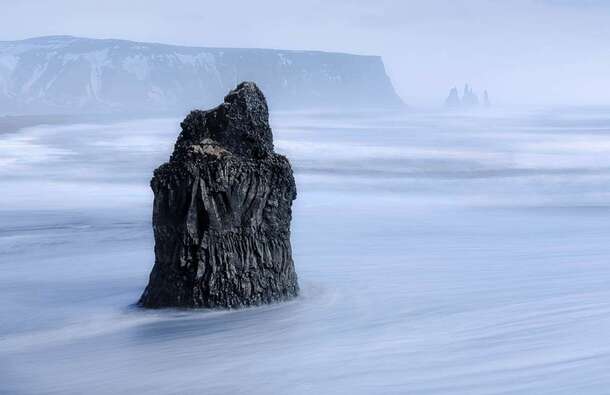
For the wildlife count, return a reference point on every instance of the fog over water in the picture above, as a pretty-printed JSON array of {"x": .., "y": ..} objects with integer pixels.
[
  {"x": 437, "y": 253},
  {"x": 525, "y": 52}
]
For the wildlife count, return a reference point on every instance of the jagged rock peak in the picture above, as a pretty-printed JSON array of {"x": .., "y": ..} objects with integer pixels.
[
  {"x": 469, "y": 98},
  {"x": 239, "y": 125},
  {"x": 453, "y": 100}
]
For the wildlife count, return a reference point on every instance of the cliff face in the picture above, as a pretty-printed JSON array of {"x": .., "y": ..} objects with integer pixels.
[
  {"x": 222, "y": 211},
  {"x": 68, "y": 74}
]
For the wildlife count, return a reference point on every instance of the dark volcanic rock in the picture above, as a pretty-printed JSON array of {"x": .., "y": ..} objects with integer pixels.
[{"x": 222, "y": 211}]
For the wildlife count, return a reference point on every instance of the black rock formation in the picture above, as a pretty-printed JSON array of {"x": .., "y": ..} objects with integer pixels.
[{"x": 222, "y": 211}]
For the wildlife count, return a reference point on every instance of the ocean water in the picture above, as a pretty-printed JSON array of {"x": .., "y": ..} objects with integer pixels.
[{"x": 437, "y": 254}]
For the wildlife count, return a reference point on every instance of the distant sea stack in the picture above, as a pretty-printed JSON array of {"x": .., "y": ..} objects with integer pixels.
[
  {"x": 453, "y": 100},
  {"x": 469, "y": 98},
  {"x": 468, "y": 101},
  {"x": 64, "y": 74},
  {"x": 486, "y": 101},
  {"x": 222, "y": 211}
]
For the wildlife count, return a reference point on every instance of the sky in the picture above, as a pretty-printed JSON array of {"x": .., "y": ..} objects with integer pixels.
[{"x": 524, "y": 52}]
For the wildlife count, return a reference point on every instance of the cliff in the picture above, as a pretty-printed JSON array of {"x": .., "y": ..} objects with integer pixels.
[{"x": 70, "y": 74}]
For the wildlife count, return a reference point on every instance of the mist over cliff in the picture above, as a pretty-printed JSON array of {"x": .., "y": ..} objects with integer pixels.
[{"x": 71, "y": 74}]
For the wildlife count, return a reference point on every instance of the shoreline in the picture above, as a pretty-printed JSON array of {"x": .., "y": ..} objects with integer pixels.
[{"x": 15, "y": 123}]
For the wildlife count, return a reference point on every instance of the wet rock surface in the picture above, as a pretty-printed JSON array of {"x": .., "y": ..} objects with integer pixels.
[{"x": 222, "y": 211}]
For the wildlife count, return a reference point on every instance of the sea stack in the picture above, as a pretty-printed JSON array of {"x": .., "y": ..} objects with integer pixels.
[
  {"x": 469, "y": 98},
  {"x": 222, "y": 211},
  {"x": 453, "y": 100}
]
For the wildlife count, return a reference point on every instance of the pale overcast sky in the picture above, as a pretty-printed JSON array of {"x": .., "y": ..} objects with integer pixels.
[{"x": 522, "y": 51}]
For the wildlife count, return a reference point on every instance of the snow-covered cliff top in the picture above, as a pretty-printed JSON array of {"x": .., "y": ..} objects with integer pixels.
[{"x": 72, "y": 74}]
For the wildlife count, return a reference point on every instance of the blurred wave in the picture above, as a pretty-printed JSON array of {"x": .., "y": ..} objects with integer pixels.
[{"x": 437, "y": 253}]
